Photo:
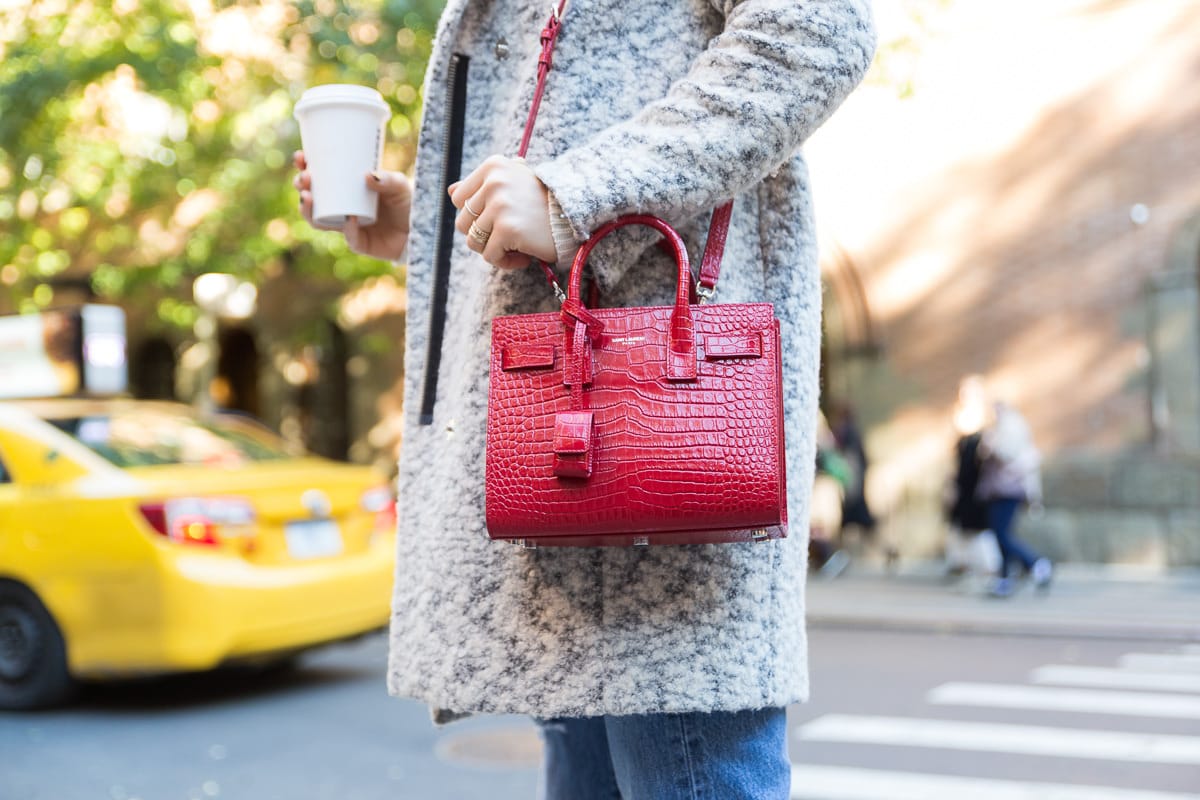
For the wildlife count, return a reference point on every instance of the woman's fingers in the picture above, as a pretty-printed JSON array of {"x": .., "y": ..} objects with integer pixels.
[
  {"x": 470, "y": 195},
  {"x": 392, "y": 186},
  {"x": 303, "y": 183},
  {"x": 511, "y": 259},
  {"x": 471, "y": 209},
  {"x": 306, "y": 205},
  {"x": 306, "y": 211},
  {"x": 490, "y": 236},
  {"x": 302, "y": 180},
  {"x": 385, "y": 238},
  {"x": 505, "y": 247},
  {"x": 479, "y": 231},
  {"x": 503, "y": 213},
  {"x": 395, "y": 204},
  {"x": 464, "y": 189},
  {"x": 501, "y": 192}
]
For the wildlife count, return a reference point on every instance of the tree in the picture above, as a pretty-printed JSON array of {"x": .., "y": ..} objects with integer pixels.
[
  {"x": 143, "y": 142},
  {"x": 905, "y": 29}
]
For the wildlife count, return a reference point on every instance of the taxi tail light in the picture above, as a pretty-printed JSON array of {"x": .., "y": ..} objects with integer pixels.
[
  {"x": 382, "y": 503},
  {"x": 192, "y": 520}
]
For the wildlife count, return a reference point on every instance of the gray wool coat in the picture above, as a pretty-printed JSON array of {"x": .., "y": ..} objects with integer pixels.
[{"x": 668, "y": 108}]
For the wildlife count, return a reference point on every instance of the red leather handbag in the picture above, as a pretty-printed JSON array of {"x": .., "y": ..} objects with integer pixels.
[{"x": 637, "y": 426}]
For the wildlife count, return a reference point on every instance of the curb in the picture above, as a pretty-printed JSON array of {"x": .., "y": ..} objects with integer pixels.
[
  {"x": 1043, "y": 629},
  {"x": 1086, "y": 602}
]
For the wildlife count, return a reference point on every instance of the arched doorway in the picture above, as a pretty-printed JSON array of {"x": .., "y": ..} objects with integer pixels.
[
  {"x": 152, "y": 370},
  {"x": 323, "y": 399},
  {"x": 850, "y": 343},
  {"x": 235, "y": 387}
]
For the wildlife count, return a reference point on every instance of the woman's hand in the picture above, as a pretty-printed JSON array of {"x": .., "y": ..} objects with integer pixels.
[
  {"x": 503, "y": 213},
  {"x": 388, "y": 236}
]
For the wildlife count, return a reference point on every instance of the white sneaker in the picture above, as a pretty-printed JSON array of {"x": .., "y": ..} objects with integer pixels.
[
  {"x": 1041, "y": 572},
  {"x": 835, "y": 565}
]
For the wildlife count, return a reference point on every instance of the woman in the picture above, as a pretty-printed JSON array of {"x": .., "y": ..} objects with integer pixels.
[
  {"x": 1009, "y": 478},
  {"x": 654, "y": 672}
]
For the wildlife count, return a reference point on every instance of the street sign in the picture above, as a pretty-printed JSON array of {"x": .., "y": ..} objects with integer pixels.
[{"x": 62, "y": 352}]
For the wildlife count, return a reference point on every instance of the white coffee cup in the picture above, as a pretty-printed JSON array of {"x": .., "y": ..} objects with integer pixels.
[{"x": 342, "y": 133}]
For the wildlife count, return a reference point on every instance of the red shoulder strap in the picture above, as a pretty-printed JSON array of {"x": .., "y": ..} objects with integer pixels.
[
  {"x": 714, "y": 249},
  {"x": 545, "y": 62}
]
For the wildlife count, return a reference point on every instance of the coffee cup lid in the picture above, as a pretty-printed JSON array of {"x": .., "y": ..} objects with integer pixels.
[{"x": 341, "y": 94}]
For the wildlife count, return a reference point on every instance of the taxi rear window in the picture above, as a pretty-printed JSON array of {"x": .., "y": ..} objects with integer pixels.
[{"x": 146, "y": 438}]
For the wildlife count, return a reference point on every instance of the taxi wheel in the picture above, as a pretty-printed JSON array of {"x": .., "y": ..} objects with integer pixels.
[{"x": 33, "y": 656}]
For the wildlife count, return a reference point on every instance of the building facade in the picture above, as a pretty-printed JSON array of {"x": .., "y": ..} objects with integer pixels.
[{"x": 1021, "y": 199}]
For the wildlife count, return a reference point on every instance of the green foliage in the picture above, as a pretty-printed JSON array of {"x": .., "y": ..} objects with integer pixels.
[
  {"x": 143, "y": 142},
  {"x": 907, "y": 27}
]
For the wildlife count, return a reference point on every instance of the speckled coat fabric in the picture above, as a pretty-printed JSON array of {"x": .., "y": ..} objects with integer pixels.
[{"x": 661, "y": 107}]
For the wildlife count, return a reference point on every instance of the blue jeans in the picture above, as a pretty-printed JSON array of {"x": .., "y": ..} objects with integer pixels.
[
  {"x": 1002, "y": 514},
  {"x": 697, "y": 756}
]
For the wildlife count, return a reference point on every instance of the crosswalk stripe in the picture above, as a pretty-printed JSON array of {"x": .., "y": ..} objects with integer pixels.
[
  {"x": 1088, "y": 701},
  {"x": 1161, "y": 662},
  {"x": 1110, "y": 678},
  {"x": 1023, "y": 739},
  {"x": 845, "y": 783}
]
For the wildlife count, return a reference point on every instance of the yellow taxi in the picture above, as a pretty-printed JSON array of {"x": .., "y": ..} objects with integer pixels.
[{"x": 142, "y": 537}]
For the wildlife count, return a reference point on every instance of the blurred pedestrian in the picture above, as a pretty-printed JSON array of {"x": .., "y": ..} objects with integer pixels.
[
  {"x": 971, "y": 547},
  {"x": 849, "y": 442},
  {"x": 857, "y": 517},
  {"x": 654, "y": 672},
  {"x": 834, "y": 474},
  {"x": 1010, "y": 479}
]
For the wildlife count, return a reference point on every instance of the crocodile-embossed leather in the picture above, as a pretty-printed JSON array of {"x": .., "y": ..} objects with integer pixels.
[{"x": 632, "y": 426}]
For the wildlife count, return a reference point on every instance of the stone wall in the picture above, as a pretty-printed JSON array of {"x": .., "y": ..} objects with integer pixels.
[
  {"x": 1027, "y": 209},
  {"x": 1141, "y": 510}
]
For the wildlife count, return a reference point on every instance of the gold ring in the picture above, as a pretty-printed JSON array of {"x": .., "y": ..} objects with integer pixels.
[
  {"x": 467, "y": 208},
  {"x": 479, "y": 234}
]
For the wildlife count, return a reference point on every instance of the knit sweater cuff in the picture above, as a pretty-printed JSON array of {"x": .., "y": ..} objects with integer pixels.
[{"x": 565, "y": 243}]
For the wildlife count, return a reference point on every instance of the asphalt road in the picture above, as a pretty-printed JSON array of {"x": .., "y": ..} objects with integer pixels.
[{"x": 894, "y": 715}]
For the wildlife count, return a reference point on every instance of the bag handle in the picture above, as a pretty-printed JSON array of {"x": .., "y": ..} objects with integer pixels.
[
  {"x": 718, "y": 228},
  {"x": 681, "y": 352}
]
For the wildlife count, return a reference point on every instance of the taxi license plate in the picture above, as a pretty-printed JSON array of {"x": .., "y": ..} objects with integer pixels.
[{"x": 313, "y": 538}]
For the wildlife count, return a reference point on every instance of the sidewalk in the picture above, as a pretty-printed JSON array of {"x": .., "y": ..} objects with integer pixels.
[{"x": 1085, "y": 601}]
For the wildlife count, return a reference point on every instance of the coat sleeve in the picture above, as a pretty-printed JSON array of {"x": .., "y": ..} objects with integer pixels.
[{"x": 778, "y": 69}]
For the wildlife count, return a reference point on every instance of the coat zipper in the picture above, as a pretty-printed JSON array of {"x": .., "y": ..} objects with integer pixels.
[{"x": 452, "y": 154}]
